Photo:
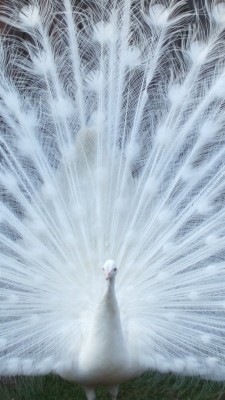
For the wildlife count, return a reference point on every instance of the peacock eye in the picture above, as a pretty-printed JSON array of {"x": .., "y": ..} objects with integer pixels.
[{"x": 115, "y": 269}]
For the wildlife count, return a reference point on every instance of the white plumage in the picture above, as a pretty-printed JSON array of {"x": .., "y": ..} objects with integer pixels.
[{"x": 112, "y": 152}]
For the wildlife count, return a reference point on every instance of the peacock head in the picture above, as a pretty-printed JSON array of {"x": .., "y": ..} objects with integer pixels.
[{"x": 110, "y": 270}]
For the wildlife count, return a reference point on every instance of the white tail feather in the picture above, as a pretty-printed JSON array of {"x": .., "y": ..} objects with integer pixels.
[{"x": 112, "y": 147}]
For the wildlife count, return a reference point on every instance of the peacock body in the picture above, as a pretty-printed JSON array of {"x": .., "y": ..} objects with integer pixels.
[{"x": 112, "y": 155}]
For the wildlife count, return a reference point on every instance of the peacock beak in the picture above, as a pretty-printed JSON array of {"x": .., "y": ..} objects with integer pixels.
[{"x": 107, "y": 276}]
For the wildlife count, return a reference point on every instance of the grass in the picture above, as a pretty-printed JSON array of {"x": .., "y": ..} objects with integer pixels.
[{"x": 151, "y": 386}]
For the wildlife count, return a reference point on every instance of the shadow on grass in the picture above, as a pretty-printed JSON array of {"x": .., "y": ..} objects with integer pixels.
[{"x": 151, "y": 386}]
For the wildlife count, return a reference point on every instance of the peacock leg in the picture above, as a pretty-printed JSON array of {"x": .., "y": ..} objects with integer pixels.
[
  {"x": 90, "y": 393},
  {"x": 113, "y": 390}
]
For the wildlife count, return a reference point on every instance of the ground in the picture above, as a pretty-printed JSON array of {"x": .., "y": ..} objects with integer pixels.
[{"x": 149, "y": 387}]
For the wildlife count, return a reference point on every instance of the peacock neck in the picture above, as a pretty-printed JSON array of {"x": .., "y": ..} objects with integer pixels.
[
  {"x": 110, "y": 290},
  {"x": 109, "y": 298}
]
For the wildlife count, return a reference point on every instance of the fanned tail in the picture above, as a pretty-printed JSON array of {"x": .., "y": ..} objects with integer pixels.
[{"x": 112, "y": 147}]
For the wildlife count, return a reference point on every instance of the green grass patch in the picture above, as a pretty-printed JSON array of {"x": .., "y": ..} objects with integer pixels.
[{"x": 151, "y": 386}]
